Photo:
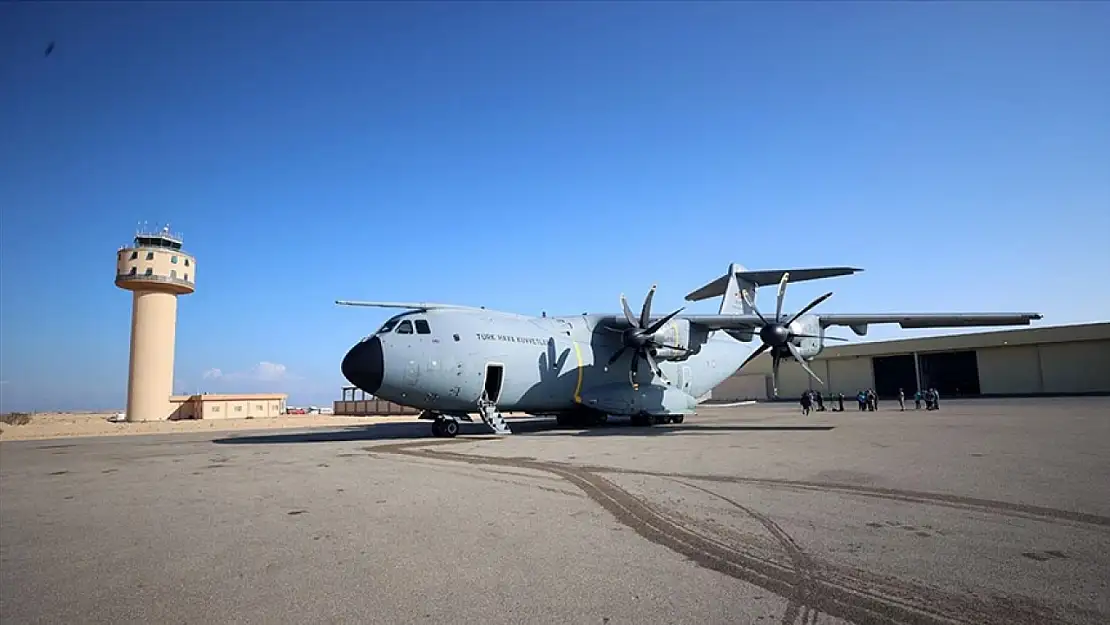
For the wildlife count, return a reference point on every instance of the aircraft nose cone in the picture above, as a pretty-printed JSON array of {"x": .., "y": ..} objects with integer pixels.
[{"x": 364, "y": 365}]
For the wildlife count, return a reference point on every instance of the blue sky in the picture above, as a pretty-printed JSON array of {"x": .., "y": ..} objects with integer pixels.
[{"x": 531, "y": 156}]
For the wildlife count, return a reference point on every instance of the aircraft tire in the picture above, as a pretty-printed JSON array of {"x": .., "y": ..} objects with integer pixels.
[{"x": 450, "y": 428}]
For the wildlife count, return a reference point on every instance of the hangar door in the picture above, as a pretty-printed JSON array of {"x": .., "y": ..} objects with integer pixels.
[
  {"x": 742, "y": 388},
  {"x": 893, "y": 373},
  {"x": 955, "y": 374}
]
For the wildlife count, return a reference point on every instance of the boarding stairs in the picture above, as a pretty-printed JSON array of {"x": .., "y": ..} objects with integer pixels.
[{"x": 492, "y": 416}]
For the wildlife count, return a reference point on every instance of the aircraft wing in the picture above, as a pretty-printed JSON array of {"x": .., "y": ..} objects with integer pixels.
[
  {"x": 859, "y": 323},
  {"x": 406, "y": 305}
]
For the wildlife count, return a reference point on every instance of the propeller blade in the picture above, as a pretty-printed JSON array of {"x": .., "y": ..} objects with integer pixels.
[
  {"x": 615, "y": 357},
  {"x": 762, "y": 348},
  {"x": 810, "y": 307},
  {"x": 655, "y": 367},
  {"x": 628, "y": 312},
  {"x": 775, "y": 360},
  {"x": 750, "y": 303},
  {"x": 801, "y": 361},
  {"x": 635, "y": 368},
  {"x": 678, "y": 347},
  {"x": 662, "y": 322},
  {"x": 814, "y": 336},
  {"x": 612, "y": 329},
  {"x": 782, "y": 294},
  {"x": 645, "y": 312}
]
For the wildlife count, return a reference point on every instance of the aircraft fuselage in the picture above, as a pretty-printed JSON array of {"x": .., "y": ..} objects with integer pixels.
[{"x": 441, "y": 360}]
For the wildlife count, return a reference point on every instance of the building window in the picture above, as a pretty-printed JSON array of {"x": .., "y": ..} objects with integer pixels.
[
  {"x": 259, "y": 407},
  {"x": 215, "y": 408},
  {"x": 186, "y": 262},
  {"x": 148, "y": 271},
  {"x": 150, "y": 255},
  {"x": 238, "y": 409},
  {"x": 132, "y": 272},
  {"x": 422, "y": 327},
  {"x": 173, "y": 274},
  {"x": 173, "y": 259},
  {"x": 134, "y": 255},
  {"x": 186, "y": 277}
]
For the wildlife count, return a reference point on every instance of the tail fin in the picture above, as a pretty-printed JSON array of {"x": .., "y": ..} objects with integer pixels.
[{"x": 738, "y": 279}]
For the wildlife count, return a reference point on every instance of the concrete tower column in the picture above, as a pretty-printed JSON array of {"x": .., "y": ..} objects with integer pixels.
[
  {"x": 150, "y": 375},
  {"x": 156, "y": 270}
]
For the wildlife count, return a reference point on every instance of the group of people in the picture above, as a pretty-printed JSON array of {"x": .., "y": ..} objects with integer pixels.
[
  {"x": 929, "y": 395},
  {"x": 868, "y": 400}
]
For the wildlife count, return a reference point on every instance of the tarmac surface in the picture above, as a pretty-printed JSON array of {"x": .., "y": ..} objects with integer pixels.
[{"x": 987, "y": 511}]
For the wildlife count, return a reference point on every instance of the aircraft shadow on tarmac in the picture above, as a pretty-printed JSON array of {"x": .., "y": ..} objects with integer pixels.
[{"x": 422, "y": 429}]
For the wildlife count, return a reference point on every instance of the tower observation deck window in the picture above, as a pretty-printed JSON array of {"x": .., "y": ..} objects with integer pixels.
[{"x": 148, "y": 272}]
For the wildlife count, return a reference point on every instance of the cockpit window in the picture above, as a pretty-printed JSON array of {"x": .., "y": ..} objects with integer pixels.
[
  {"x": 388, "y": 326},
  {"x": 405, "y": 327},
  {"x": 422, "y": 327}
]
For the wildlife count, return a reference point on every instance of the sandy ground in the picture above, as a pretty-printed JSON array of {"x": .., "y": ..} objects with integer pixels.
[
  {"x": 65, "y": 424},
  {"x": 985, "y": 513}
]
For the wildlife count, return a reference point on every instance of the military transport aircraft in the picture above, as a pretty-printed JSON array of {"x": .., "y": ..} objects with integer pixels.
[{"x": 452, "y": 361}]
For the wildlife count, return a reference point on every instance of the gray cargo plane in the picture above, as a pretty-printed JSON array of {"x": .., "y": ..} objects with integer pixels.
[{"x": 452, "y": 361}]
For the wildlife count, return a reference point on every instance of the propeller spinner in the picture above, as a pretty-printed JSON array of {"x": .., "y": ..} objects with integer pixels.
[
  {"x": 641, "y": 339},
  {"x": 778, "y": 335}
]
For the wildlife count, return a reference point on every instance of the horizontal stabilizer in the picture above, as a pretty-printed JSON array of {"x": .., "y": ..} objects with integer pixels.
[
  {"x": 407, "y": 305},
  {"x": 765, "y": 277}
]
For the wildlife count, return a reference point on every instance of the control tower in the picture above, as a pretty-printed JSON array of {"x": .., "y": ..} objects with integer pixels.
[{"x": 156, "y": 270}]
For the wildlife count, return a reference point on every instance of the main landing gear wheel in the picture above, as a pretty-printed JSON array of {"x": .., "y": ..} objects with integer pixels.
[{"x": 447, "y": 428}]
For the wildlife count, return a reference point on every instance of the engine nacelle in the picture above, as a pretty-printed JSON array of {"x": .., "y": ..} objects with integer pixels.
[
  {"x": 810, "y": 325},
  {"x": 676, "y": 333}
]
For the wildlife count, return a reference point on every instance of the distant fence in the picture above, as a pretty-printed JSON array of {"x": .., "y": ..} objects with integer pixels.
[{"x": 372, "y": 408}]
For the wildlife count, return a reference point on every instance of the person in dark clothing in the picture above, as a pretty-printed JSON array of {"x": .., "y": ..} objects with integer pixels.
[
  {"x": 901, "y": 400},
  {"x": 861, "y": 397},
  {"x": 840, "y": 398},
  {"x": 917, "y": 400},
  {"x": 807, "y": 401},
  {"x": 820, "y": 401}
]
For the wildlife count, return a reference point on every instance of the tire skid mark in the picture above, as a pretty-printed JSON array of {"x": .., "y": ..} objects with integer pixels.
[
  {"x": 953, "y": 501},
  {"x": 838, "y": 594},
  {"x": 803, "y": 566}
]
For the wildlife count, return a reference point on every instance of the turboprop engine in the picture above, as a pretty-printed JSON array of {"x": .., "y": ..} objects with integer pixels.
[
  {"x": 666, "y": 339},
  {"x": 672, "y": 341},
  {"x": 800, "y": 337},
  {"x": 808, "y": 336}
]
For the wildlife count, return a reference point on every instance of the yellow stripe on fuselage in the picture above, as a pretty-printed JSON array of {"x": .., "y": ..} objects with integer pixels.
[{"x": 578, "y": 385}]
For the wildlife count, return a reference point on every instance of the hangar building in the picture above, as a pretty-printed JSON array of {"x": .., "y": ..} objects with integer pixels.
[{"x": 1059, "y": 360}]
